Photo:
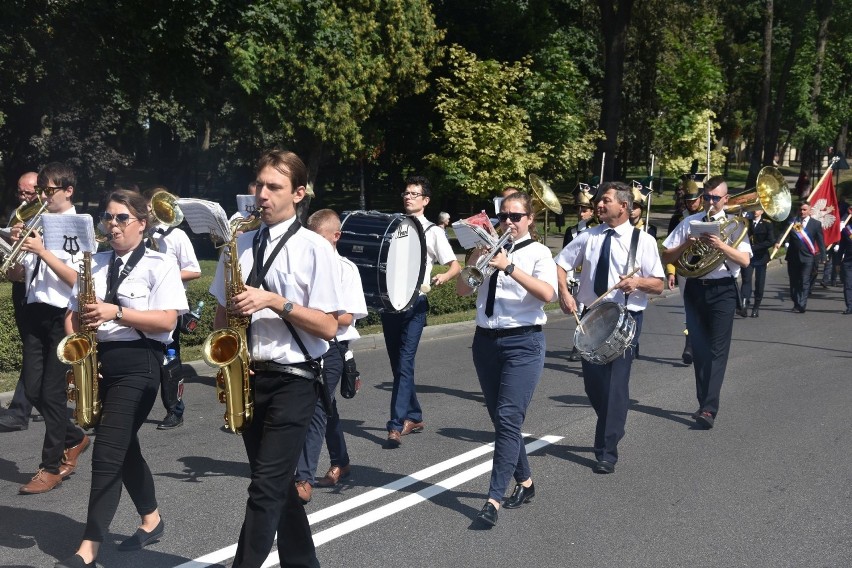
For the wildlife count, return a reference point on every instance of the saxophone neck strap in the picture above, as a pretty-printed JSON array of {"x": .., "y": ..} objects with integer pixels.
[
  {"x": 134, "y": 259},
  {"x": 257, "y": 275}
]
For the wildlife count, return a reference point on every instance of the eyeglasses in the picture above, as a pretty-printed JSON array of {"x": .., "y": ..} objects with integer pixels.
[
  {"x": 48, "y": 190},
  {"x": 514, "y": 217},
  {"x": 121, "y": 218},
  {"x": 713, "y": 198},
  {"x": 411, "y": 194}
]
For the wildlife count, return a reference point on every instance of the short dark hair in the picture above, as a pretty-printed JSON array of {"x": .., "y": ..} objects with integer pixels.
[
  {"x": 58, "y": 172},
  {"x": 287, "y": 163},
  {"x": 422, "y": 181},
  {"x": 713, "y": 183},
  {"x": 133, "y": 200}
]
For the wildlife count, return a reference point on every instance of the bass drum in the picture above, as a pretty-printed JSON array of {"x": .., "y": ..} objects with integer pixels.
[
  {"x": 390, "y": 253},
  {"x": 607, "y": 331}
]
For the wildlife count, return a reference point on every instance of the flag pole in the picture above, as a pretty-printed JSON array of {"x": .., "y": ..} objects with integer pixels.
[
  {"x": 650, "y": 193},
  {"x": 603, "y": 161},
  {"x": 828, "y": 172}
]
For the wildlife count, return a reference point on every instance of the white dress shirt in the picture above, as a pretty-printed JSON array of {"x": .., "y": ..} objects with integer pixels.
[
  {"x": 351, "y": 298},
  {"x": 177, "y": 244},
  {"x": 438, "y": 248},
  {"x": 153, "y": 284},
  {"x": 681, "y": 234},
  {"x": 513, "y": 305},
  {"x": 306, "y": 273},
  {"x": 46, "y": 287},
  {"x": 585, "y": 251}
]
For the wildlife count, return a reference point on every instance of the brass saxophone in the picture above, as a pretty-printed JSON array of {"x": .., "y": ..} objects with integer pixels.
[
  {"x": 80, "y": 350},
  {"x": 227, "y": 348}
]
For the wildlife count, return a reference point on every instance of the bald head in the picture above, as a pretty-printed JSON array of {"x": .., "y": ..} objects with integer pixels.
[{"x": 26, "y": 187}]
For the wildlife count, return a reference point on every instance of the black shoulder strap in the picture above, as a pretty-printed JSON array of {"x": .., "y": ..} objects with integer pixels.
[
  {"x": 522, "y": 245},
  {"x": 256, "y": 277},
  {"x": 634, "y": 246},
  {"x": 137, "y": 254}
]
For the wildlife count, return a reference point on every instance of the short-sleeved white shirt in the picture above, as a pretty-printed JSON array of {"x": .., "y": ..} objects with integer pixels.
[
  {"x": 351, "y": 298},
  {"x": 47, "y": 287},
  {"x": 513, "y": 305},
  {"x": 176, "y": 243},
  {"x": 153, "y": 284},
  {"x": 586, "y": 248},
  {"x": 306, "y": 272},
  {"x": 681, "y": 234},
  {"x": 438, "y": 248}
]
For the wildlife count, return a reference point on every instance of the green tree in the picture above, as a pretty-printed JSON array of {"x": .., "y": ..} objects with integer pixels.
[{"x": 485, "y": 130}]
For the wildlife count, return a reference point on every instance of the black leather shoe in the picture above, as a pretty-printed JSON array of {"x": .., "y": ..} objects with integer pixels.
[
  {"x": 75, "y": 561},
  {"x": 743, "y": 311},
  {"x": 171, "y": 420},
  {"x": 520, "y": 496},
  {"x": 141, "y": 539},
  {"x": 706, "y": 420},
  {"x": 848, "y": 311},
  {"x": 574, "y": 355},
  {"x": 686, "y": 356},
  {"x": 488, "y": 515},
  {"x": 755, "y": 312},
  {"x": 604, "y": 467},
  {"x": 9, "y": 424}
]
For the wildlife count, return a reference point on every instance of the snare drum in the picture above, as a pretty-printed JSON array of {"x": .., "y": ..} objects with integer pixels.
[
  {"x": 608, "y": 330},
  {"x": 390, "y": 253}
]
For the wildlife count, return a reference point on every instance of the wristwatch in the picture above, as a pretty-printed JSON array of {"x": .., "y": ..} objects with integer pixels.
[
  {"x": 509, "y": 269},
  {"x": 119, "y": 314},
  {"x": 287, "y": 309}
]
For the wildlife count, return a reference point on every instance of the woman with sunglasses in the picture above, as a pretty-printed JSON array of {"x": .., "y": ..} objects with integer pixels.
[
  {"x": 509, "y": 346},
  {"x": 139, "y": 297}
]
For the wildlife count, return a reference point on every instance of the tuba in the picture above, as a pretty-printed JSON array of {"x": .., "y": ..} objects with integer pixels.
[
  {"x": 80, "y": 350},
  {"x": 227, "y": 348},
  {"x": 543, "y": 196},
  {"x": 771, "y": 194},
  {"x": 165, "y": 209}
]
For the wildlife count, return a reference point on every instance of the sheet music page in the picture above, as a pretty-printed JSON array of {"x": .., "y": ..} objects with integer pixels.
[
  {"x": 698, "y": 228},
  {"x": 471, "y": 236},
  {"x": 245, "y": 204},
  {"x": 74, "y": 234},
  {"x": 205, "y": 216}
]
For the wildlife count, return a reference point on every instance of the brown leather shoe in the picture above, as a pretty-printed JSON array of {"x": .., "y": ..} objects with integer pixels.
[
  {"x": 393, "y": 439},
  {"x": 42, "y": 482},
  {"x": 333, "y": 476},
  {"x": 304, "y": 489},
  {"x": 409, "y": 426},
  {"x": 69, "y": 460}
]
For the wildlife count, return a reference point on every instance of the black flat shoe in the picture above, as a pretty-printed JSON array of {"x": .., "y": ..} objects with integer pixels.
[
  {"x": 488, "y": 515},
  {"x": 520, "y": 496},
  {"x": 75, "y": 561},
  {"x": 604, "y": 467},
  {"x": 141, "y": 539}
]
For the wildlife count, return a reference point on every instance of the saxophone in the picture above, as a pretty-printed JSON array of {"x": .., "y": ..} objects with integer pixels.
[
  {"x": 80, "y": 350},
  {"x": 227, "y": 348}
]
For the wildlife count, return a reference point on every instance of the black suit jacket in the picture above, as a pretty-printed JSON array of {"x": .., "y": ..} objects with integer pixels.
[
  {"x": 797, "y": 251},
  {"x": 762, "y": 238}
]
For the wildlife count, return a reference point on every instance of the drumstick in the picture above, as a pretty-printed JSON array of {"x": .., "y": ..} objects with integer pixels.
[
  {"x": 579, "y": 325},
  {"x": 601, "y": 297}
]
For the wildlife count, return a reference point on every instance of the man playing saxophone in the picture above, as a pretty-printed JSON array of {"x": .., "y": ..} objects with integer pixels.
[
  {"x": 48, "y": 277},
  {"x": 292, "y": 300},
  {"x": 709, "y": 300}
]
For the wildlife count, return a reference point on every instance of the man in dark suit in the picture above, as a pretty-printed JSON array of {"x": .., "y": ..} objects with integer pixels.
[
  {"x": 762, "y": 236},
  {"x": 804, "y": 248}
]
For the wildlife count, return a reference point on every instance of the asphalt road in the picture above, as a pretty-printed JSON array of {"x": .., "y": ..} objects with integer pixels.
[{"x": 769, "y": 486}]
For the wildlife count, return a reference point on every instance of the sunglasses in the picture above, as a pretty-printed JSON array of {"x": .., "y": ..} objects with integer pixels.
[
  {"x": 411, "y": 194},
  {"x": 48, "y": 190},
  {"x": 120, "y": 218},
  {"x": 514, "y": 217},
  {"x": 713, "y": 198}
]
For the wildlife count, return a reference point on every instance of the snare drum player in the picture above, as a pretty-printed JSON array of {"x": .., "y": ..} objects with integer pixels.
[
  {"x": 608, "y": 253},
  {"x": 710, "y": 301},
  {"x": 294, "y": 308},
  {"x": 402, "y": 330},
  {"x": 509, "y": 346}
]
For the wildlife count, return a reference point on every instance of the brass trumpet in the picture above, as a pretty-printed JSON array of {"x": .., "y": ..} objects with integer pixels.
[{"x": 17, "y": 253}]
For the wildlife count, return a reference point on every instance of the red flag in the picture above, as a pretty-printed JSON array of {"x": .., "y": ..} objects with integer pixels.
[{"x": 823, "y": 202}]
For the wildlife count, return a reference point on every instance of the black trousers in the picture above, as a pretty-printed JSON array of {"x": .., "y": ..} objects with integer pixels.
[
  {"x": 171, "y": 387},
  {"x": 607, "y": 387},
  {"x": 710, "y": 306},
  {"x": 128, "y": 389},
  {"x": 44, "y": 381},
  {"x": 283, "y": 407},
  {"x": 20, "y": 408},
  {"x": 801, "y": 279}
]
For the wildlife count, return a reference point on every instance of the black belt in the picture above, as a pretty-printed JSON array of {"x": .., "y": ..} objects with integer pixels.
[
  {"x": 716, "y": 281},
  {"x": 308, "y": 370},
  {"x": 507, "y": 332}
]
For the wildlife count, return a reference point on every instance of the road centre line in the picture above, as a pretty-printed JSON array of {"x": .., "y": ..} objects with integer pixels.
[{"x": 220, "y": 555}]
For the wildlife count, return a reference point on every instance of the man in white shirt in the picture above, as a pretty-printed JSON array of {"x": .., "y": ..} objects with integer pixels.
[
  {"x": 49, "y": 277},
  {"x": 609, "y": 253},
  {"x": 402, "y": 330},
  {"x": 175, "y": 243},
  {"x": 292, "y": 301}
]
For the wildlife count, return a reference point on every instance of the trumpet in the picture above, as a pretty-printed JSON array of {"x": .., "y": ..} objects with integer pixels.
[
  {"x": 16, "y": 254},
  {"x": 25, "y": 211},
  {"x": 475, "y": 275}
]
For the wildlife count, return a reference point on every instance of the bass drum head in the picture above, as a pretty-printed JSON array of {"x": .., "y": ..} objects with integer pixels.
[{"x": 404, "y": 264}]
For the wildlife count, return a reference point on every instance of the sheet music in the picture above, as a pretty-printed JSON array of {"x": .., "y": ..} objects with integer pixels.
[
  {"x": 471, "y": 236},
  {"x": 205, "y": 217},
  {"x": 245, "y": 204},
  {"x": 74, "y": 234},
  {"x": 698, "y": 228}
]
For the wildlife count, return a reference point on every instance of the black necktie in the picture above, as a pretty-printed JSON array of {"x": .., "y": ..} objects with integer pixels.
[
  {"x": 113, "y": 275},
  {"x": 602, "y": 269},
  {"x": 260, "y": 251},
  {"x": 492, "y": 289}
]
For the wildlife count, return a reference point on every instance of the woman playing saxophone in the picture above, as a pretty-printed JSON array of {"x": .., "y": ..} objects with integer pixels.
[{"x": 138, "y": 298}]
